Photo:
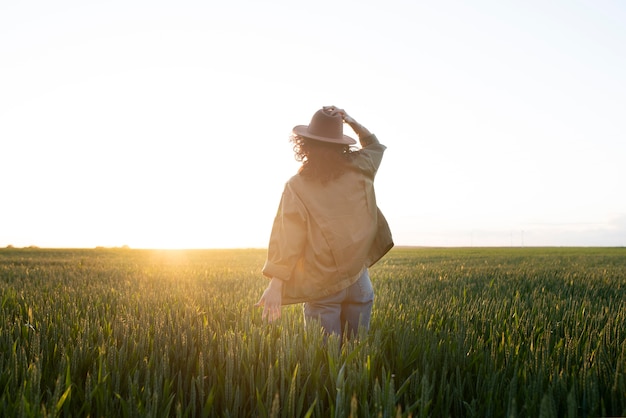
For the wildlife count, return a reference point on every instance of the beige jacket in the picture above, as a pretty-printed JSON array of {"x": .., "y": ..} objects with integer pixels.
[{"x": 325, "y": 235}]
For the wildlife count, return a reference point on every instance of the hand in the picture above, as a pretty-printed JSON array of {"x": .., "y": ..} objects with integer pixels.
[
  {"x": 271, "y": 300},
  {"x": 334, "y": 110},
  {"x": 359, "y": 129}
]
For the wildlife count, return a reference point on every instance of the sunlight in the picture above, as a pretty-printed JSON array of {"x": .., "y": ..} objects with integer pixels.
[{"x": 167, "y": 126}]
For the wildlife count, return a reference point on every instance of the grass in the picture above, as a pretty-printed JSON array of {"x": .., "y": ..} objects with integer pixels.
[{"x": 515, "y": 332}]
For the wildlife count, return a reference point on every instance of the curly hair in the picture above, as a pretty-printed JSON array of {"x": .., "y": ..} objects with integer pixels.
[{"x": 323, "y": 161}]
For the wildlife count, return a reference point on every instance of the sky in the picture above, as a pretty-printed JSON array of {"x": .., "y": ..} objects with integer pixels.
[{"x": 159, "y": 124}]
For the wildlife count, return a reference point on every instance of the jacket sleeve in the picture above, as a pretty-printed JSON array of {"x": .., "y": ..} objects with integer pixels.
[
  {"x": 383, "y": 241},
  {"x": 287, "y": 238},
  {"x": 370, "y": 155},
  {"x": 370, "y": 159}
]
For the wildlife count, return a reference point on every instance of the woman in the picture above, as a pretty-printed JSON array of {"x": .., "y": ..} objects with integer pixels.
[{"x": 328, "y": 229}]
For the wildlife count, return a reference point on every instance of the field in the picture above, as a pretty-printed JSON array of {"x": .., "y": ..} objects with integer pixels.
[{"x": 504, "y": 332}]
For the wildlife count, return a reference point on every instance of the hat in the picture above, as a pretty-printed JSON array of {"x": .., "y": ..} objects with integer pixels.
[{"x": 325, "y": 127}]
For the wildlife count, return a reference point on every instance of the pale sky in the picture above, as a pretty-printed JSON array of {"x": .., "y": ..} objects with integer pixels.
[{"x": 161, "y": 124}]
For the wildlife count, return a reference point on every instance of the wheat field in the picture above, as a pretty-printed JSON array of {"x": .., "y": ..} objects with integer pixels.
[{"x": 457, "y": 332}]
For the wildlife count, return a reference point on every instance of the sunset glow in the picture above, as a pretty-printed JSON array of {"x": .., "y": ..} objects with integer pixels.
[{"x": 166, "y": 125}]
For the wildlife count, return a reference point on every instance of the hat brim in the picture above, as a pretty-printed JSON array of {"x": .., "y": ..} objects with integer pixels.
[{"x": 302, "y": 130}]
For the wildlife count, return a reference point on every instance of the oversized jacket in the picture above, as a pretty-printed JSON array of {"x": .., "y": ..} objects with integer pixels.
[{"x": 325, "y": 235}]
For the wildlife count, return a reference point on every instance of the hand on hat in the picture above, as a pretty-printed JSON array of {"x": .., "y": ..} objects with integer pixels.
[
  {"x": 359, "y": 129},
  {"x": 334, "y": 110}
]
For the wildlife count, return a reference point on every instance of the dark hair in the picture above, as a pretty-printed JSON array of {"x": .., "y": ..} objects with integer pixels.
[{"x": 321, "y": 160}]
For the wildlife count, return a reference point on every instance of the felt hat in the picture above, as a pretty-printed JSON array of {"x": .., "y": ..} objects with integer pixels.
[{"x": 326, "y": 127}]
